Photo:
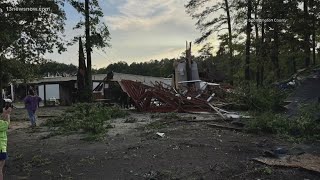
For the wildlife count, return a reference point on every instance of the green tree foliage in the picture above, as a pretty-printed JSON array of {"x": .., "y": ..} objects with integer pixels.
[
  {"x": 48, "y": 67},
  {"x": 277, "y": 49},
  {"x": 304, "y": 126},
  {"x": 27, "y": 34},
  {"x": 91, "y": 119},
  {"x": 205, "y": 12},
  {"x": 100, "y": 35},
  {"x": 15, "y": 69},
  {"x": 161, "y": 68},
  {"x": 283, "y": 47},
  {"x": 210, "y": 68}
]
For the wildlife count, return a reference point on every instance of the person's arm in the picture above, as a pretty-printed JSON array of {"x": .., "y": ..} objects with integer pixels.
[
  {"x": 6, "y": 114},
  {"x": 9, "y": 110},
  {"x": 4, "y": 125},
  {"x": 26, "y": 100}
]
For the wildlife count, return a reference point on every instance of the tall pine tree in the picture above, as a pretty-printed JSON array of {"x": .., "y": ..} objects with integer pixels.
[{"x": 81, "y": 75}]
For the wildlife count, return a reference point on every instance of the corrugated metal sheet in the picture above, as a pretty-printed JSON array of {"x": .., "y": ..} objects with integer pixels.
[{"x": 148, "y": 80}]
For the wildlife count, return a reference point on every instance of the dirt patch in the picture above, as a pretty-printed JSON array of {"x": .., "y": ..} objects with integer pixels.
[{"x": 189, "y": 150}]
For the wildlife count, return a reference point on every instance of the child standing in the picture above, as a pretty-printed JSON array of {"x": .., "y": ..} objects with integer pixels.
[
  {"x": 7, "y": 111},
  {"x": 32, "y": 102},
  {"x": 4, "y": 124}
]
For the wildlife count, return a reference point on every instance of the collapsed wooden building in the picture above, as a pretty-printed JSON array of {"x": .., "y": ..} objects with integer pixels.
[{"x": 64, "y": 89}]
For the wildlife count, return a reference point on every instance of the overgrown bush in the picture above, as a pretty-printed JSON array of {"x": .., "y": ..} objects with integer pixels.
[
  {"x": 92, "y": 119},
  {"x": 259, "y": 99},
  {"x": 263, "y": 99},
  {"x": 304, "y": 126}
]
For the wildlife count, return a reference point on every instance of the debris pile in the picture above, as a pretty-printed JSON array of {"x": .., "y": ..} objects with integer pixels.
[
  {"x": 187, "y": 93},
  {"x": 164, "y": 98}
]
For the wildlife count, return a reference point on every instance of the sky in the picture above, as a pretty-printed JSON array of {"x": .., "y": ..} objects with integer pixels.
[{"x": 141, "y": 30}]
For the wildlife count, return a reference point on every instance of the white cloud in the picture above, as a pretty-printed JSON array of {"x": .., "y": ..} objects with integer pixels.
[
  {"x": 148, "y": 14},
  {"x": 150, "y": 29},
  {"x": 142, "y": 8}
]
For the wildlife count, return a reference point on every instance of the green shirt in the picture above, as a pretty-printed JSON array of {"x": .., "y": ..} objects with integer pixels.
[{"x": 3, "y": 135}]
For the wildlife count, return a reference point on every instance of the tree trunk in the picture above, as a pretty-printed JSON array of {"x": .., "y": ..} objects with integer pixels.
[
  {"x": 1, "y": 86},
  {"x": 314, "y": 44},
  {"x": 258, "y": 60},
  {"x": 275, "y": 53},
  {"x": 230, "y": 42},
  {"x": 262, "y": 53},
  {"x": 88, "y": 51},
  {"x": 81, "y": 76},
  {"x": 276, "y": 40},
  {"x": 294, "y": 64},
  {"x": 248, "y": 41},
  {"x": 307, "y": 51},
  {"x": 293, "y": 56}
]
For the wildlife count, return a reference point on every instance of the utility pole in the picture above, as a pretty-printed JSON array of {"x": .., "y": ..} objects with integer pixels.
[{"x": 88, "y": 51}]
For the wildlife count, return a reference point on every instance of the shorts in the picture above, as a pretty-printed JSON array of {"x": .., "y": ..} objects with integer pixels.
[{"x": 3, "y": 156}]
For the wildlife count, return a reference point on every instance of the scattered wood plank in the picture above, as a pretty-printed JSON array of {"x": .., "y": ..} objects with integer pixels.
[
  {"x": 216, "y": 110},
  {"x": 224, "y": 127},
  {"x": 304, "y": 161}
]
